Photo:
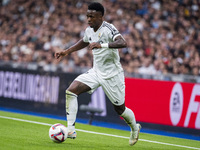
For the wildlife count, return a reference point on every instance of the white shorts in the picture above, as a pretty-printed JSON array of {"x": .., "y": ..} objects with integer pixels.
[{"x": 113, "y": 87}]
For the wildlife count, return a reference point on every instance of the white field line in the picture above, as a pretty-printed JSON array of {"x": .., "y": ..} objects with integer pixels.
[{"x": 105, "y": 134}]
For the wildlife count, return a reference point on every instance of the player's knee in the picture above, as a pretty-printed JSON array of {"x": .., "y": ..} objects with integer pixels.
[
  {"x": 77, "y": 87},
  {"x": 70, "y": 93},
  {"x": 73, "y": 90},
  {"x": 119, "y": 109}
]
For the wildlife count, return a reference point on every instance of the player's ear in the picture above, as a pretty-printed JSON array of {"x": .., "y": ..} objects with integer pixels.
[{"x": 99, "y": 14}]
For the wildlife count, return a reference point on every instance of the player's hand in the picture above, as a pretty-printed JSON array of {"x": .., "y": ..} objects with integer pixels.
[
  {"x": 94, "y": 45},
  {"x": 60, "y": 55}
]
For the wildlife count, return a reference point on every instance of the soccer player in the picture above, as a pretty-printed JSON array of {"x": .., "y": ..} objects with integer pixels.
[{"x": 104, "y": 40}]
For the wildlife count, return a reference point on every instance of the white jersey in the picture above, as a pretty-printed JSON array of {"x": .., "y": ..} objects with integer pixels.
[{"x": 106, "y": 61}]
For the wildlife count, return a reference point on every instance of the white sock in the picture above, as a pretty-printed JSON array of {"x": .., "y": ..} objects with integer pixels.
[
  {"x": 71, "y": 109},
  {"x": 129, "y": 118}
]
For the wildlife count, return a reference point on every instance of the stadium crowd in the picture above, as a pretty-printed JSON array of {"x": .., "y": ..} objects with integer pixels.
[{"x": 163, "y": 36}]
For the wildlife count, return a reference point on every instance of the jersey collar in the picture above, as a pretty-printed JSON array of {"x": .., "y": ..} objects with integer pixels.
[{"x": 100, "y": 27}]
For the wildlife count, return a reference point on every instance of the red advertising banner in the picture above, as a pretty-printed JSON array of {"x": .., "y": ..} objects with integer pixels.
[{"x": 163, "y": 102}]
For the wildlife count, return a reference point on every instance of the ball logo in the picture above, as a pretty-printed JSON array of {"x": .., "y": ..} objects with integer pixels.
[{"x": 176, "y": 104}]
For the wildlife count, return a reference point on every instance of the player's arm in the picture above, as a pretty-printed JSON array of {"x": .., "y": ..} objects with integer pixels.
[
  {"x": 79, "y": 45},
  {"x": 119, "y": 42}
]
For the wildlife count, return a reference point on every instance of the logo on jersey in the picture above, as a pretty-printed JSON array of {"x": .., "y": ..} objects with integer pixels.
[
  {"x": 116, "y": 102},
  {"x": 99, "y": 35}
]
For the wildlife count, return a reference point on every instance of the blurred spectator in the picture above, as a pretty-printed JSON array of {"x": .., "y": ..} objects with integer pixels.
[{"x": 147, "y": 67}]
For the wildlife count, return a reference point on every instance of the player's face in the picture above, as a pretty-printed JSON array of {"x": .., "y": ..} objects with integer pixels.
[{"x": 94, "y": 19}]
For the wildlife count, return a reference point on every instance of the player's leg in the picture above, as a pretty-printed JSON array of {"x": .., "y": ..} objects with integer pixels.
[
  {"x": 72, "y": 93},
  {"x": 83, "y": 83},
  {"x": 127, "y": 114},
  {"x": 77, "y": 87},
  {"x": 129, "y": 117},
  {"x": 115, "y": 90}
]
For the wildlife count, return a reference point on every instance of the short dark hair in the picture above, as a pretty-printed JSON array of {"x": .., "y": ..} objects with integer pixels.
[{"x": 96, "y": 6}]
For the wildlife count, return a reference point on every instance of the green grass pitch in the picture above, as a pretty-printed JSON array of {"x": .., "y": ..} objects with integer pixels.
[{"x": 16, "y": 133}]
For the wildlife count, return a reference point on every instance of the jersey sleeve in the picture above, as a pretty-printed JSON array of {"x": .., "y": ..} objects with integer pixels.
[
  {"x": 85, "y": 37},
  {"x": 114, "y": 32}
]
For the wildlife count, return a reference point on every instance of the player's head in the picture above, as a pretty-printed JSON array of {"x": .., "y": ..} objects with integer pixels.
[
  {"x": 95, "y": 15},
  {"x": 96, "y": 7}
]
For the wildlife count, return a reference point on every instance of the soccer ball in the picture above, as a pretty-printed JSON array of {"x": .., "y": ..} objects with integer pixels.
[{"x": 58, "y": 133}]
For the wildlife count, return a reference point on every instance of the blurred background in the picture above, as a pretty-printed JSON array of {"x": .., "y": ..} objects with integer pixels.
[{"x": 163, "y": 39}]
